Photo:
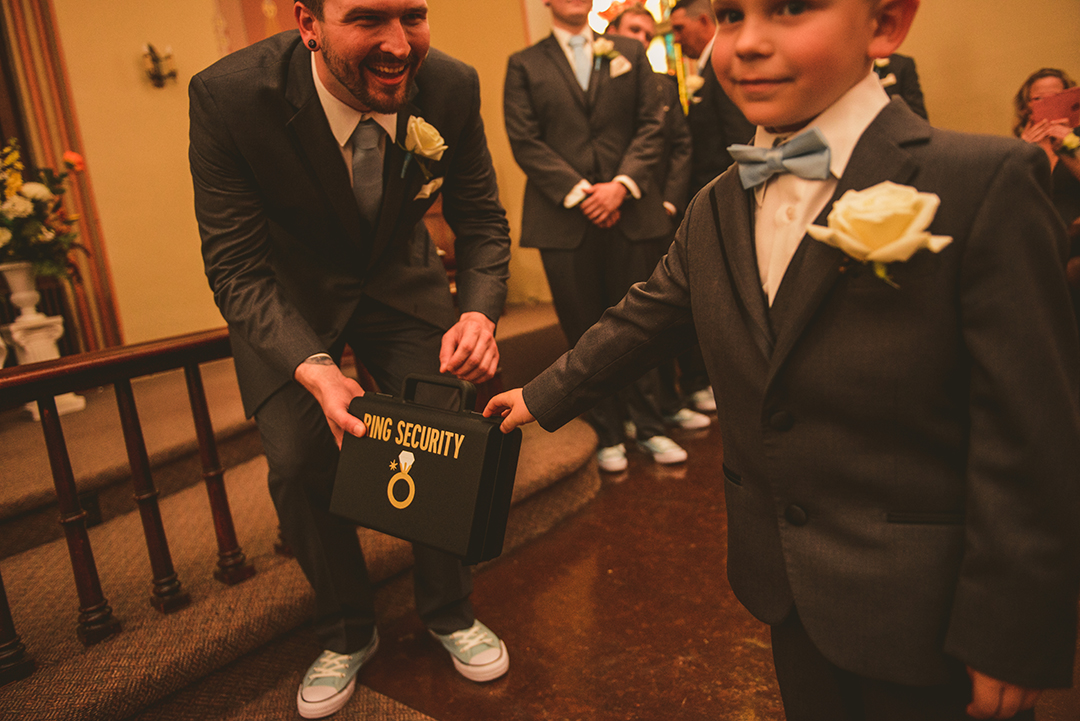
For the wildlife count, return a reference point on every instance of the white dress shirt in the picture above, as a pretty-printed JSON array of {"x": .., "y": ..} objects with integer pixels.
[
  {"x": 788, "y": 204},
  {"x": 344, "y": 118}
]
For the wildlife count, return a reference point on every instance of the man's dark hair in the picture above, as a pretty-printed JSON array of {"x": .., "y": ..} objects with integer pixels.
[
  {"x": 694, "y": 8},
  {"x": 635, "y": 9},
  {"x": 315, "y": 6}
]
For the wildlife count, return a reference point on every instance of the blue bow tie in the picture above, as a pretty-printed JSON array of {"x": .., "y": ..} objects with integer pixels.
[{"x": 805, "y": 155}]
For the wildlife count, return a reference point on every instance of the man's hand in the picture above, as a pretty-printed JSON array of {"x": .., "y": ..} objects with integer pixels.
[
  {"x": 469, "y": 350},
  {"x": 995, "y": 699},
  {"x": 511, "y": 407},
  {"x": 602, "y": 200},
  {"x": 334, "y": 391}
]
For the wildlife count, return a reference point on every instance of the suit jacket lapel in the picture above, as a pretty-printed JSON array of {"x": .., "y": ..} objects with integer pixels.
[
  {"x": 558, "y": 59},
  {"x": 322, "y": 154},
  {"x": 878, "y": 156},
  {"x": 736, "y": 225},
  {"x": 598, "y": 77}
]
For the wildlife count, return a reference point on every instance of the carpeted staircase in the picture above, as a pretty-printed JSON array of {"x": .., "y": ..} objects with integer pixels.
[{"x": 217, "y": 658}]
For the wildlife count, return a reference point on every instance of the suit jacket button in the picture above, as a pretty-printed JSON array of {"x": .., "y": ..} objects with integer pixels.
[
  {"x": 795, "y": 515},
  {"x": 782, "y": 421}
]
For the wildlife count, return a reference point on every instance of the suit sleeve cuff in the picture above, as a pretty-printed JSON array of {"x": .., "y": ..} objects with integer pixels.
[
  {"x": 630, "y": 185},
  {"x": 576, "y": 194}
]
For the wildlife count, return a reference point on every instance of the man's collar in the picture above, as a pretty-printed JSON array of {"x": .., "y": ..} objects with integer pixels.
[
  {"x": 343, "y": 118},
  {"x": 843, "y": 122},
  {"x": 563, "y": 36},
  {"x": 705, "y": 55}
]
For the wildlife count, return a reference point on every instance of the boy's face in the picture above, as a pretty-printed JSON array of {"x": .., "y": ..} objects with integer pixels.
[{"x": 785, "y": 61}]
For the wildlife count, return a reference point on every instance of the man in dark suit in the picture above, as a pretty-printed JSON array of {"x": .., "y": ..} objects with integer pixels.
[
  {"x": 584, "y": 122},
  {"x": 314, "y": 156}
]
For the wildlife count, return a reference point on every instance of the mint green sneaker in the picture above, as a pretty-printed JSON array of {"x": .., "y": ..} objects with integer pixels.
[
  {"x": 478, "y": 653},
  {"x": 331, "y": 680}
]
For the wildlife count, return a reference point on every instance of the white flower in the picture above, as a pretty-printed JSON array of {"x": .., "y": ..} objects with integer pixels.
[
  {"x": 5, "y": 236},
  {"x": 423, "y": 139},
  {"x": 883, "y": 224},
  {"x": 429, "y": 189},
  {"x": 45, "y": 235},
  {"x": 694, "y": 83},
  {"x": 36, "y": 191},
  {"x": 17, "y": 207},
  {"x": 602, "y": 47}
]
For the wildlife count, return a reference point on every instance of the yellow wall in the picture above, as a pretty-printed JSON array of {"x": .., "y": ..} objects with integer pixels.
[
  {"x": 972, "y": 55},
  {"x": 135, "y": 142}
]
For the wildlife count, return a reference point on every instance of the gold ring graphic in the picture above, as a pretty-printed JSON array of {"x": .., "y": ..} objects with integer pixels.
[
  {"x": 390, "y": 490},
  {"x": 406, "y": 459}
]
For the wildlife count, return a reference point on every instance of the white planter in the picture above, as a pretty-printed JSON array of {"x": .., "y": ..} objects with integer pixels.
[{"x": 24, "y": 295}]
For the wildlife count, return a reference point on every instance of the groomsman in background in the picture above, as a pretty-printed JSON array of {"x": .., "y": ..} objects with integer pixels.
[
  {"x": 715, "y": 123},
  {"x": 673, "y": 178},
  {"x": 584, "y": 120}
]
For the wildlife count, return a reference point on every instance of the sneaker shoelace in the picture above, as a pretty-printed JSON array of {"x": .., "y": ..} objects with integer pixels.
[
  {"x": 470, "y": 638},
  {"x": 329, "y": 665}
]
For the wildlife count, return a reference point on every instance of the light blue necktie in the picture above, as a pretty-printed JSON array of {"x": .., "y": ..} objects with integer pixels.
[
  {"x": 367, "y": 168},
  {"x": 581, "y": 60},
  {"x": 805, "y": 155}
]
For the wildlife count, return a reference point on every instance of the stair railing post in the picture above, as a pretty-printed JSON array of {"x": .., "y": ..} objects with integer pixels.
[
  {"x": 14, "y": 663},
  {"x": 96, "y": 622},
  {"x": 233, "y": 567},
  {"x": 168, "y": 594}
]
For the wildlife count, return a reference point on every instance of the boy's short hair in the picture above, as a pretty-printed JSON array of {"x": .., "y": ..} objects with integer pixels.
[
  {"x": 1022, "y": 101},
  {"x": 695, "y": 8}
]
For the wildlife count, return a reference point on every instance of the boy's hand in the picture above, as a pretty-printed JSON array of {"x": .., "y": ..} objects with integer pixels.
[
  {"x": 995, "y": 699},
  {"x": 511, "y": 406}
]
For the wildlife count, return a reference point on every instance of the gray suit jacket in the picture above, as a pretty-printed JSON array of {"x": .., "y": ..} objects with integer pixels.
[
  {"x": 900, "y": 464},
  {"x": 286, "y": 251},
  {"x": 561, "y": 134}
]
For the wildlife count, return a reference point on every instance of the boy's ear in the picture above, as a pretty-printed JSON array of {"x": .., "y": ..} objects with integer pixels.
[{"x": 894, "y": 18}]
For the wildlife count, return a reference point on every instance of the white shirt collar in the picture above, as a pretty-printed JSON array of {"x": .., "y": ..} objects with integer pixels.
[
  {"x": 564, "y": 36},
  {"x": 843, "y": 122},
  {"x": 343, "y": 118},
  {"x": 705, "y": 55}
]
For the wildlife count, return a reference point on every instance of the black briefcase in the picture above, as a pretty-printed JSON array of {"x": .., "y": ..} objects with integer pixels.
[{"x": 438, "y": 477}]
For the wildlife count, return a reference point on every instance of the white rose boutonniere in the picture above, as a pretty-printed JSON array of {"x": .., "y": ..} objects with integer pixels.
[
  {"x": 883, "y": 224},
  {"x": 694, "y": 83},
  {"x": 1069, "y": 144},
  {"x": 604, "y": 48},
  {"x": 423, "y": 142}
]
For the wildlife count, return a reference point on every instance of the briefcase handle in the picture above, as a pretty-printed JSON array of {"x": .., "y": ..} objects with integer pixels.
[{"x": 465, "y": 388}]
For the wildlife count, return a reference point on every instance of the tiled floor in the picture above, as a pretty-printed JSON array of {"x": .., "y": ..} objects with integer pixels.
[{"x": 622, "y": 612}]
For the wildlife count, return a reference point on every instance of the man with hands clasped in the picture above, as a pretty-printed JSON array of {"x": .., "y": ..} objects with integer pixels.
[
  {"x": 883, "y": 313},
  {"x": 315, "y": 155}
]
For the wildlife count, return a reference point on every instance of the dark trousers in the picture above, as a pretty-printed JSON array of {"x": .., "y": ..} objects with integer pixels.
[
  {"x": 587, "y": 280},
  {"x": 302, "y": 457},
  {"x": 815, "y": 689}
]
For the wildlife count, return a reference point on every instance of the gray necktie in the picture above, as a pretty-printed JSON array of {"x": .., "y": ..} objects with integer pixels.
[
  {"x": 367, "y": 168},
  {"x": 581, "y": 60}
]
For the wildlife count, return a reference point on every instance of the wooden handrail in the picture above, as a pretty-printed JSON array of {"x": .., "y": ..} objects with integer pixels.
[
  {"x": 42, "y": 381},
  {"x": 22, "y": 384}
]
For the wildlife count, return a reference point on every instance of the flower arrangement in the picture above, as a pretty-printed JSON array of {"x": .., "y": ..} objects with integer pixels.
[{"x": 34, "y": 226}]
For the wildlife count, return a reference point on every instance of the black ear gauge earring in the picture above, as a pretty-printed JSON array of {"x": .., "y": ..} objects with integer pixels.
[{"x": 312, "y": 44}]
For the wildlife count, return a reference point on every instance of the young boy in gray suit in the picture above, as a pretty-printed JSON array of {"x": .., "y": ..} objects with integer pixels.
[{"x": 883, "y": 311}]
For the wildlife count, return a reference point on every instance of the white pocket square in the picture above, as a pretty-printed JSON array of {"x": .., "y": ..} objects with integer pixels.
[
  {"x": 888, "y": 80},
  {"x": 428, "y": 189},
  {"x": 619, "y": 66}
]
